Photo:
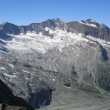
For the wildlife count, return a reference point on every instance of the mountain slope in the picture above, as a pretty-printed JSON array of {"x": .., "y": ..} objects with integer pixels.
[
  {"x": 6, "y": 97},
  {"x": 54, "y": 63}
]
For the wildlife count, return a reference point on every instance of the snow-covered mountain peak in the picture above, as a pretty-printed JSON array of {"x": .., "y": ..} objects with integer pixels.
[
  {"x": 90, "y": 20},
  {"x": 5, "y": 23}
]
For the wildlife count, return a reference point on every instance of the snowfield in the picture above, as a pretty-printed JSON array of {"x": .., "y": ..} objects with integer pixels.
[
  {"x": 40, "y": 43},
  {"x": 32, "y": 42}
]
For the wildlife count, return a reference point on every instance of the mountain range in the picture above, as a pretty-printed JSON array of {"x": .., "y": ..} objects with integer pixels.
[{"x": 56, "y": 65}]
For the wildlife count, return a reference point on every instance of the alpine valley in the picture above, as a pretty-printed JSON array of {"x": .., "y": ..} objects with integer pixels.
[{"x": 55, "y": 65}]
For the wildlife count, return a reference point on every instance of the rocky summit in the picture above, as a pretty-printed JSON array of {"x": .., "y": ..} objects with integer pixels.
[{"x": 55, "y": 65}]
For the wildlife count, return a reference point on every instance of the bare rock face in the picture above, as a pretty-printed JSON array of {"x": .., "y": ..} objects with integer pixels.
[
  {"x": 4, "y": 36},
  {"x": 32, "y": 88},
  {"x": 7, "y": 97},
  {"x": 90, "y": 28},
  {"x": 9, "y": 28},
  {"x": 36, "y": 27}
]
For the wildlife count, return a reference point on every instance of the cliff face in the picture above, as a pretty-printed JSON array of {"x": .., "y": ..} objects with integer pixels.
[
  {"x": 9, "y": 101},
  {"x": 90, "y": 28},
  {"x": 4, "y": 36}
]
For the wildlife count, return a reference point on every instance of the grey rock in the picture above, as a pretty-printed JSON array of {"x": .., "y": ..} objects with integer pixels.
[
  {"x": 100, "y": 31},
  {"x": 4, "y": 36},
  {"x": 7, "y": 97},
  {"x": 9, "y": 28}
]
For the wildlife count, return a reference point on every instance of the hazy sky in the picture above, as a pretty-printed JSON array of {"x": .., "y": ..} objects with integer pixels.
[{"x": 24, "y": 12}]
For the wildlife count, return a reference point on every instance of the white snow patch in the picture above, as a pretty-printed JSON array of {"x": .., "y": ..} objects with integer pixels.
[
  {"x": 40, "y": 79},
  {"x": 46, "y": 29},
  {"x": 92, "y": 25},
  {"x": 2, "y": 68},
  {"x": 68, "y": 87},
  {"x": 25, "y": 71},
  {"x": 11, "y": 76},
  {"x": 21, "y": 34},
  {"x": 100, "y": 41},
  {"x": 54, "y": 80},
  {"x": 26, "y": 78},
  {"x": 30, "y": 84},
  {"x": 81, "y": 22},
  {"x": 11, "y": 65}
]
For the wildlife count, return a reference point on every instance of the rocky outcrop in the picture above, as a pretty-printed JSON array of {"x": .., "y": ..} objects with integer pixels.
[
  {"x": 36, "y": 27},
  {"x": 90, "y": 28},
  {"x": 4, "y": 36},
  {"x": 28, "y": 84},
  {"x": 7, "y": 97},
  {"x": 9, "y": 28}
]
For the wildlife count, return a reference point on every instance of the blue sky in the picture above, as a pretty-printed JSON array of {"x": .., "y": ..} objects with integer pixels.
[{"x": 24, "y": 12}]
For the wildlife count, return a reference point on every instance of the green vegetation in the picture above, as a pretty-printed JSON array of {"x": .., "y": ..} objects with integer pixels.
[
  {"x": 103, "y": 76},
  {"x": 83, "y": 86},
  {"x": 67, "y": 84}
]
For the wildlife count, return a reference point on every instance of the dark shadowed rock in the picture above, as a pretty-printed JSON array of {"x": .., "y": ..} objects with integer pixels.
[
  {"x": 9, "y": 28},
  {"x": 4, "y": 36},
  {"x": 7, "y": 97},
  {"x": 1, "y": 42}
]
